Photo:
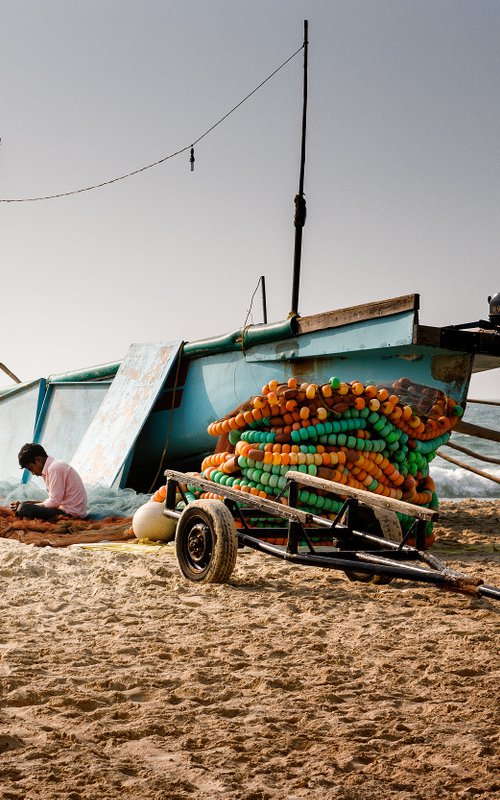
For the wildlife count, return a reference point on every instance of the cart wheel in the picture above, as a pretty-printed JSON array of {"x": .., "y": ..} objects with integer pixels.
[
  {"x": 382, "y": 523},
  {"x": 206, "y": 542}
]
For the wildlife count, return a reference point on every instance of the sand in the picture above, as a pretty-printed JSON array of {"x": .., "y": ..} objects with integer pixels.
[{"x": 119, "y": 679}]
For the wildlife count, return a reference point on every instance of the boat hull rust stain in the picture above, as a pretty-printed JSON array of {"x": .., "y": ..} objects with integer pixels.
[
  {"x": 310, "y": 369},
  {"x": 452, "y": 369}
]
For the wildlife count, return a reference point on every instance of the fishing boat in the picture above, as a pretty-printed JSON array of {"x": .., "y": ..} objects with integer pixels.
[{"x": 122, "y": 424}]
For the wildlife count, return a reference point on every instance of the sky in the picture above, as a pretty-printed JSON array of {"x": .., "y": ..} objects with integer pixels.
[{"x": 402, "y": 177}]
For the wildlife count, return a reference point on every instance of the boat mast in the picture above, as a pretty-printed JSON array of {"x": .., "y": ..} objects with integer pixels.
[{"x": 300, "y": 203}]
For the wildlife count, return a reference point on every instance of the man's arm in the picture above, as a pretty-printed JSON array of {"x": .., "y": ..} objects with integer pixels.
[{"x": 16, "y": 503}]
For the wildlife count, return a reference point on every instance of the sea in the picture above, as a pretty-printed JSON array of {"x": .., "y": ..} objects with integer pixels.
[{"x": 452, "y": 482}]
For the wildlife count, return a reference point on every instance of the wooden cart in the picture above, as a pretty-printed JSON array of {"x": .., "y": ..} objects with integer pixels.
[{"x": 364, "y": 540}]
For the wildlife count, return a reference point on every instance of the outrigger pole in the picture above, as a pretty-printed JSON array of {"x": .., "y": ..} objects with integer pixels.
[{"x": 300, "y": 203}]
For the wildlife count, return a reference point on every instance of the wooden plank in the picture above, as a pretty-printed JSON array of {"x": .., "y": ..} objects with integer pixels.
[
  {"x": 468, "y": 467},
  {"x": 113, "y": 432},
  {"x": 274, "y": 508},
  {"x": 446, "y": 338},
  {"x": 484, "y": 345},
  {"x": 484, "y": 402},
  {"x": 367, "y": 311},
  {"x": 10, "y": 373},
  {"x": 427, "y": 336},
  {"x": 477, "y": 430},
  {"x": 290, "y": 513},
  {"x": 369, "y": 498},
  {"x": 489, "y": 343},
  {"x": 472, "y": 453}
]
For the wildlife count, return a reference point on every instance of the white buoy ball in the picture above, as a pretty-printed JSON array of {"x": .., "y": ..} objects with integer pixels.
[{"x": 149, "y": 522}]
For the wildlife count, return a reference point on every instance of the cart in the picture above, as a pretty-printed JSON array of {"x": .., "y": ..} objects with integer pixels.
[{"x": 362, "y": 540}]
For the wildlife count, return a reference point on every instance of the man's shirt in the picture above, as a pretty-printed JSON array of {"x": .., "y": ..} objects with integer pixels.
[{"x": 65, "y": 488}]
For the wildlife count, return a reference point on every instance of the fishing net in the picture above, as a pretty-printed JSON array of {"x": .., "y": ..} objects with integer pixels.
[
  {"x": 379, "y": 438},
  {"x": 102, "y": 501},
  {"x": 109, "y": 517}
]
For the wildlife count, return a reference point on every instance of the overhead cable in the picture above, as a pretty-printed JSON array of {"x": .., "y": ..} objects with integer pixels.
[{"x": 160, "y": 160}]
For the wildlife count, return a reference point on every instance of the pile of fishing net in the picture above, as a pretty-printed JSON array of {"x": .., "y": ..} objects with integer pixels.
[
  {"x": 380, "y": 438},
  {"x": 102, "y": 501},
  {"x": 109, "y": 518},
  {"x": 64, "y": 530}
]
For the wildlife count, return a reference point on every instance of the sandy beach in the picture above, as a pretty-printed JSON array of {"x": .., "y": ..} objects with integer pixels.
[{"x": 120, "y": 679}]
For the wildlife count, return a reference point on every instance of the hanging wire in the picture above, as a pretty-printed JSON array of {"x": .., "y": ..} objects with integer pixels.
[
  {"x": 160, "y": 160},
  {"x": 249, "y": 311}
]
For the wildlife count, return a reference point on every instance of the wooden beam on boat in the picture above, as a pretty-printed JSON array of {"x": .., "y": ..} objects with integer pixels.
[
  {"x": 9, "y": 373},
  {"x": 448, "y": 339},
  {"x": 487, "y": 354},
  {"x": 353, "y": 314},
  {"x": 483, "y": 346},
  {"x": 473, "y": 453},
  {"x": 484, "y": 402},
  {"x": 477, "y": 430}
]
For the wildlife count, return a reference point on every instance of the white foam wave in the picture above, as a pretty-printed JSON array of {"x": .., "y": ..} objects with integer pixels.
[{"x": 459, "y": 483}]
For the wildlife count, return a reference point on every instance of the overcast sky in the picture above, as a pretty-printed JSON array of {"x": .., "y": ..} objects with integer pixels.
[{"x": 402, "y": 174}]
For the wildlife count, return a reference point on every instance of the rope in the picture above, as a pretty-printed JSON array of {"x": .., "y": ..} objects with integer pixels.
[
  {"x": 160, "y": 160},
  {"x": 249, "y": 310}
]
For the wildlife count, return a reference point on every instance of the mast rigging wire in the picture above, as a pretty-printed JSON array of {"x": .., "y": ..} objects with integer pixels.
[{"x": 160, "y": 160}]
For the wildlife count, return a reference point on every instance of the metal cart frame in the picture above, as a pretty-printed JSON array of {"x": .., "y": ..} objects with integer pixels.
[{"x": 207, "y": 538}]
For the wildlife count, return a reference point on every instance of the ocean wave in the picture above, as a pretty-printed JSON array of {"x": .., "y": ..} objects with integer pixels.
[{"x": 459, "y": 483}]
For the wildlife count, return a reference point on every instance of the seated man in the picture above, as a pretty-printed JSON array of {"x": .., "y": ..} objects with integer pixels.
[{"x": 66, "y": 491}]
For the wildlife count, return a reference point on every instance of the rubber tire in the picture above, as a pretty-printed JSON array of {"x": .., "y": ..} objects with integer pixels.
[
  {"x": 206, "y": 542},
  {"x": 371, "y": 524}
]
